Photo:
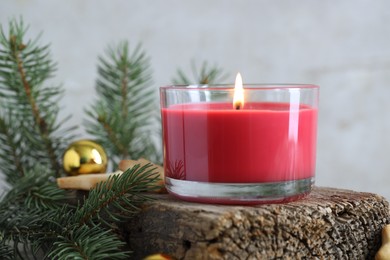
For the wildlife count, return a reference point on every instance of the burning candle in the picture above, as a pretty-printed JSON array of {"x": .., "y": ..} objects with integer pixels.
[{"x": 239, "y": 145}]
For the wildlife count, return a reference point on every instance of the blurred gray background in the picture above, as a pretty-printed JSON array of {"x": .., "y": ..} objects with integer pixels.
[{"x": 342, "y": 46}]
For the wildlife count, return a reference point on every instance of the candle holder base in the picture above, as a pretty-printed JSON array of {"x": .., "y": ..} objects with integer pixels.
[{"x": 239, "y": 193}]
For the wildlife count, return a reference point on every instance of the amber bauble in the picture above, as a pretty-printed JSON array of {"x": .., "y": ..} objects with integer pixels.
[{"x": 83, "y": 157}]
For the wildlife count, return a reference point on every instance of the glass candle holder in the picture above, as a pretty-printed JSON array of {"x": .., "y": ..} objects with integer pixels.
[{"x": 261, "y": 151}]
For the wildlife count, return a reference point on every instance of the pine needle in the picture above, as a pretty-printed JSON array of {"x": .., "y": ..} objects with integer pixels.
[
  {"x": 34, "y": 217},
  {"x": 118, "y": 197},
  {"x": 208, "y": 75},
  {"x": 88, "y": 243},
  {"x": 29, "y": 108},
  {"x": 6, "y": 252},
  {"x": 122, "y": 118}
]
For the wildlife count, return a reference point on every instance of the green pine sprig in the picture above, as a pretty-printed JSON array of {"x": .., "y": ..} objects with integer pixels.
[
  {"x": 117, "y": 198},
  {"x": 205, "y": 76},
  {"x": 35, "y": 190},
  {"x": 38, "y": 222},
  {"x": 6, "y": 252},
  {"x": 29, "y": 105},
  {"x": 88, "y": 243},
  {"x": 25, "y": 208},
  {"x": 11, "y": 155},
  {"x": 122, "y": 117}
]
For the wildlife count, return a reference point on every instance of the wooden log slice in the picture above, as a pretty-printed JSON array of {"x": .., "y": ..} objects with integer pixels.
[{"x": 327, "y": 224}]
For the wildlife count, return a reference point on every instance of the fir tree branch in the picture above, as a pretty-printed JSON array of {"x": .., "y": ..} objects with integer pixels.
[
  {"x": 6, "y": 251},
  {"x": 207, "y": 75},
  {"x": 25, "y": 210},
  {"x": 10, "y": 154},
  {"x": 25, "y": 230},
  {"x": 24, "y": 68},
  {"x": 112, "y": 137},
  {"x": 119, "y": 196},
  {"x": 34, "y": 190},
  {"x": 34, "y": 216},
  {"x": 122, "y": 118},
  {"x": 17, "y": 47},
  {"x": 124, "y": 82},
  {"x": 88, "y": 243},
  {"x": 111, "y": 201}
]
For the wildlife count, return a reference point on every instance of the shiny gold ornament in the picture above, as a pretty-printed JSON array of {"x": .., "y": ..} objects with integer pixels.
[
  {"x": 83, "y": 157},
  {"x": 158, "y": 257}
]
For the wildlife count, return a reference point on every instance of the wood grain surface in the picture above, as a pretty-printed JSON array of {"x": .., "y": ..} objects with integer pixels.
[{"x": 327, "y": 224}]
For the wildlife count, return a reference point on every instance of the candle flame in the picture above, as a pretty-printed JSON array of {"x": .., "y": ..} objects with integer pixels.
[{"x": 238, "y": 98}]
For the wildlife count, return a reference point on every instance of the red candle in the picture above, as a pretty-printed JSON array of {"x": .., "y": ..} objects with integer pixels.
[
  {"x": 221, "y": 148},
  {"x": 264, "y": 142}
]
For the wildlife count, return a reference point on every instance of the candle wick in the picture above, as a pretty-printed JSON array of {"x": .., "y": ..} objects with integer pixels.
[{"x": 238, "y": 106}]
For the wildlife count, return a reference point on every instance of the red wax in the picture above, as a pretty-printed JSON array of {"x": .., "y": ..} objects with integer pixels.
[{"x": 263, "y": 142}]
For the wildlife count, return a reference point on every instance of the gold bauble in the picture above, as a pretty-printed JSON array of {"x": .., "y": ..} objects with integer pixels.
[{"x": 83, "y": 157}]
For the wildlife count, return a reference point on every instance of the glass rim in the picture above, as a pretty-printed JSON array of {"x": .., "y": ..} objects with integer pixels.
[{"x": 229, "y": 87}]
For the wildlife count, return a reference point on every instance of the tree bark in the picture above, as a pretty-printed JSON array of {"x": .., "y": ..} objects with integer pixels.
[{"x": 327, "y": 224}]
